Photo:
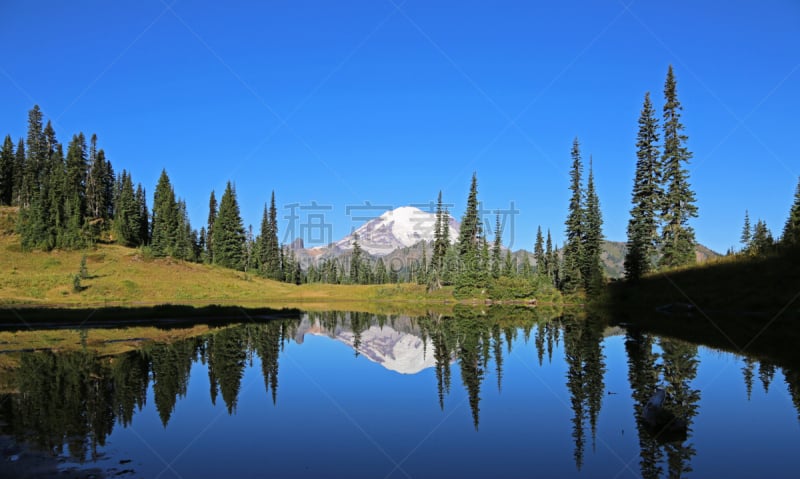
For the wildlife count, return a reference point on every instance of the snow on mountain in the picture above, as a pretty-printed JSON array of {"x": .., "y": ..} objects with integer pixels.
[{"x": 398, "y": 228}]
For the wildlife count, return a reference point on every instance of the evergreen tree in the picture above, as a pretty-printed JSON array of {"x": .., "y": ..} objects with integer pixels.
[
  {"x": 272, "y": 260},
  {"x": 186, "y": 238},
  {"x": 18, "y": 186},
  {"x": 228, "y": 235},
  {"x": 164, "y": 236},
  {"x": 144, "y": 215},
  {"x": 212, "y": 216},
  {"x": 791, "y": 231},
  {"x": 356, "y": 262},
  {"x": 471, "y": 276},
  {"x": 573, "y": 246},
  {"x": 36, "y": 157},
  {"x": 550, "y": 257},
  {"x": 538, "y": 253},
  {"x": 647, "y": 197},
  {"x": 677, "y": 237},
  {"x": 469, "y": 235},
  {"x": 496, "y": 248},
  {"x": 592, "y": 268},
  {"x": 7, "y": 171},
  {"x": 746, "y": 232},
  {"x": 422, "y": 278},
  {"x": 75, "y": 192},
  {"x": 127, "y": 226},
  {"x": 509, "y": 268},
  {"x": 381, "y": 276},
  {"x": 441, "y": 233},
  {"x": 762, "y": 240},
  {"x": 99, "y": 205}
]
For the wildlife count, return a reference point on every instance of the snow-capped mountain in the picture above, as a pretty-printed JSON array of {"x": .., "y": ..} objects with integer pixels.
[{"x": 398, "y": 228}]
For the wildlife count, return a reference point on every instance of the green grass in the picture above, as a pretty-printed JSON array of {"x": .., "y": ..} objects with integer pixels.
[
  {"x": 125, "y": 276},
  {"x": 733, "y": 285}
]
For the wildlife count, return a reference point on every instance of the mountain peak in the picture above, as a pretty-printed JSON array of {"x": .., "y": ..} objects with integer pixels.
[{"x": 401, "y": 227}]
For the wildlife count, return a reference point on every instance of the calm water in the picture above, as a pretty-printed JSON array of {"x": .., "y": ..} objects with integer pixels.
[{"x": 356, "y": 395}]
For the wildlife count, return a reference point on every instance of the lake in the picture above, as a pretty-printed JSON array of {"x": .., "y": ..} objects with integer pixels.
[{"x": 479, "y": 393}]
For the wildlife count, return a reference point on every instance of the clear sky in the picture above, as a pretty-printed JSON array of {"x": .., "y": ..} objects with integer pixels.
[{"x": 389, "y": 101}]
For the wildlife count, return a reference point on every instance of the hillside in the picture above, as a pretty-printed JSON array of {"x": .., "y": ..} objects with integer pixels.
[{"x": 125, "y": 275}]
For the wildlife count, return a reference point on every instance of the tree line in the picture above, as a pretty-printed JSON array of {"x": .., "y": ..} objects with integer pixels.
[{"x": 75, "y": 200}]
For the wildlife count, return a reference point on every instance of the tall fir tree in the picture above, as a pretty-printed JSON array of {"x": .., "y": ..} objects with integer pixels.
[
  {"x": 212, "y": 216},
  {"x": 127, "y": 221},
  {"x": 647, "y": 197},
  {"x": 762, "y": 240},
  {"x": 441, "y": 239},
  {"x": 471, "y": 276},
  {"x": 75, "y": 192},
  {"x": 228, "y": 233},
  {"x": 791, "y": 230},
  {"x": 573, "y": 246},
  {"x": 356, "y": 262},
  {"x": 272, "y": 248},
  {"x": 144, "y": 215},
  {"x": 538, "y": 253},
  {"x": 592, "y": 267},
  {"x": 496, "y": 248},
  {"x": 7, "y": 171},
  {"x": 260, "y": 246},
  {"x": 677, "y": 237},
  {"x": 747, "y": 231},
  {"x": 165, "y": 223},
  {"x": 36, "y": 156},
  {"x": 551, "y": 258},
  {"x": 18, "y": 186}
]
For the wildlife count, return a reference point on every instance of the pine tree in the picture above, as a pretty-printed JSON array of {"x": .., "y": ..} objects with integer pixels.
[
  {"x": 791, "y": 231},
  {"x": 550, "y": 257},
  {"x": 272, "y": 260},
  {"x": 677, "y": 237},
  {"x": 471, "y": 276},
  {"x": 573, "y": 246},
  {"x": 99, "y": 205},
  {"x": 144, "y": 216},
  {"x": 127, "y": 226},
  {"x": 36, "y": 156},
  {"x": 592, "y": 268},
  {"x": 509, "y": 268},
  {"x": 18, "y": 186},
  {"x": 75, "y": 192},
  {"x": 647, "y": 197},
  {"x": 762, "y": 240},
  {"x": 422, "y": 277},
  {"x": 441, "y": 239},
  {"x": 212, "y": 216},
  {"x": 164, "y": 236},
  {"x": 381, "y": 276},
  {"x": 228, "y": 233},
  {"x": 261, "y": 246},
  {"x": 746, "y": 232},
  {"x": 186, "y": 239},
  {"x": 496, "y": 248},
  {"x": 7, "y": 171},
  {"x": 356, "y": 262},
  {"x": 538, "y": 253}
]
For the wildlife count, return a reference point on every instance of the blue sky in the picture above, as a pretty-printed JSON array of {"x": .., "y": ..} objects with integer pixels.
[{"x": 384, "y": 101}]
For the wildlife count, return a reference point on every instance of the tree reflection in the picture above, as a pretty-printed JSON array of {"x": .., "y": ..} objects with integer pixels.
[
  {"x": 586, "y": 367},
  {"x": 75, "y": 398}
]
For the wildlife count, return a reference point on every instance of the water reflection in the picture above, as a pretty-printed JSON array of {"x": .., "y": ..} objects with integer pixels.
[{"x": 69, "y": 402}]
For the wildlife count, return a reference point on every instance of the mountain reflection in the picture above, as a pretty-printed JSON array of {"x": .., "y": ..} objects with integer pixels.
[{"x": 71, "y": 401}]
